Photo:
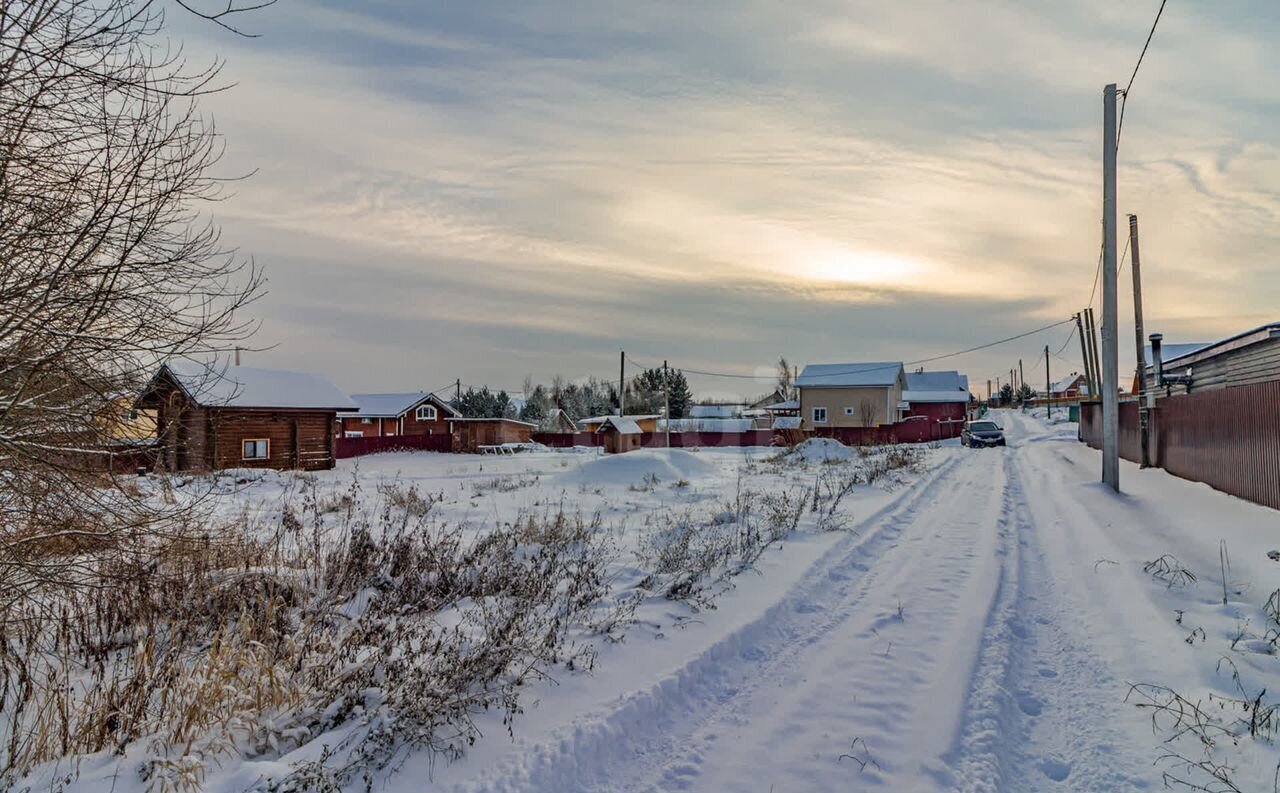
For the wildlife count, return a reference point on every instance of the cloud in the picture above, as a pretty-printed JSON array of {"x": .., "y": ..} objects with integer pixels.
[{"x": 510, "y": 188}]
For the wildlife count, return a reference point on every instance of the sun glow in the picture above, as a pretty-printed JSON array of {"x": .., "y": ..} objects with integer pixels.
[{"x": 860, "y": 267}]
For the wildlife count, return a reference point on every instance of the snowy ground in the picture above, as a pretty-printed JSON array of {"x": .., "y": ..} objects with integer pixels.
[
  {"x": 976, "y": 627},
  {"x": 978, "y": 632}
]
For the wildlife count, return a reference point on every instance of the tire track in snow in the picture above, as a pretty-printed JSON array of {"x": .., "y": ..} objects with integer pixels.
[{"x": 586, "y": 756}]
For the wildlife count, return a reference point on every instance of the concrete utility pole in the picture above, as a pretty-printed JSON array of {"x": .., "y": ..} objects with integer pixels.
[
  {"x": 1048, "y": 384},
  {"x": 666, "y": 401},
  {"x": 1093, "y": 354},
  {"x": 1110, "y": 350},
  {"x": 1084, "y": 354},
  {"x": 622, "y": 384},
  {"x": 1143, "y": 417}
]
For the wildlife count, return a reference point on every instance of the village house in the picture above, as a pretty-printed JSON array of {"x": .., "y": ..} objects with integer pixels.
[
  {"x": 557, "y": 421},
  {"x": 1243, "y": 359},
  {"x": 1073, "y": 386},
  {"x": 210, "y": 417},
  {"x": 852, "y": 394},
  {"x": 940, "y": 397},
  {"x": 385, "y": 415}
]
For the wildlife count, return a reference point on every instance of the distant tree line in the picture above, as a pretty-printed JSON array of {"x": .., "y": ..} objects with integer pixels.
[{"x": 592, "y": 397}]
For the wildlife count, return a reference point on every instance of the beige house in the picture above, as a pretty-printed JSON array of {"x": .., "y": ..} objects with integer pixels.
[{"x": 851, "y": 394}]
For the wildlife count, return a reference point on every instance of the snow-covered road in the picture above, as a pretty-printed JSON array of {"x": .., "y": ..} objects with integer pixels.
[{"x": 975, "y": 634}]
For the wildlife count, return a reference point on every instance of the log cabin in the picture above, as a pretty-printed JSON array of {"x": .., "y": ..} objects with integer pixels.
[{"x": 211, "y": 417}]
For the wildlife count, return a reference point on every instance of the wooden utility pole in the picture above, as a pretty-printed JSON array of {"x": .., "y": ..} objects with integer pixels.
[
  {"x": 1048, "y": 384},
  {"x": 457, "y": 391},
  {"x": 1141, "y": 374},
  {"x": 1110, "y": 347},
  {"x": 988, "y": 390},
  {"x": 1093, "y": 353},
  {"x": 666, "y": 401},
  {"x": 1022, "y": 377},
  {"x": 622, "y": 384},
  {"x": 1084, "y": 354}
]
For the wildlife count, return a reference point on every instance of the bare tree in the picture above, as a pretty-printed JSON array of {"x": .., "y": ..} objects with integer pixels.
[
  {"x": 868, "y": 412},
  {"x": 786, "y": 386},
  {"x": 107, "y": 268}
]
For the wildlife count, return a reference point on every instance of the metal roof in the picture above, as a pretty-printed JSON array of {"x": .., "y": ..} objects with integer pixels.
[
  {"x": 880, "y": 373},
  {"x": 950, "y": 380},
  {"x": 935, "y": 396},
  {"x": 395, "y": 405}
]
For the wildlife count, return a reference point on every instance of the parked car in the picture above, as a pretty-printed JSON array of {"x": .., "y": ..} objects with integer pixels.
[{"x": 979, "y": 434}]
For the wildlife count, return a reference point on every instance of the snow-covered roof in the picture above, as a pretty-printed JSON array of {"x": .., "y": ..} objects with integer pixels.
[
  {"x": 220, "y": 385},
  {"x": 634, "y": 417},
  {"x": 937, "y": 381},
  {"x": 714, "y": 411},
  {"x": 935, "y": 396},
  {"x": 1195, "y": 352},
  {"x": 880, "y": 373},
  {"x": 786, "y": 404},
  {"x": 503, "y": 418},
  {"x": 1066, "y": 382},
  {"x": 625, "y": 425},
  {"x": 786, "y": 423},
  {"x": 395, "y": 405}
]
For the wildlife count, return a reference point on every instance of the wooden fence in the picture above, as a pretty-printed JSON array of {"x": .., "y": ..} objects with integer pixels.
[{"x": 1228, "y": 438}]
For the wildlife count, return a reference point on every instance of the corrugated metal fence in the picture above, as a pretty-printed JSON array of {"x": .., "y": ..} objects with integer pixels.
[
  {"x": 355, "y": 447},
  {"x": 1228, "y": 438}
]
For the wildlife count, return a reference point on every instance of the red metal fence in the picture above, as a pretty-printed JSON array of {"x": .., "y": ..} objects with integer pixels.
[
  {"x": 355, "y": 447},
  {"x": 1227, "y": 438}
]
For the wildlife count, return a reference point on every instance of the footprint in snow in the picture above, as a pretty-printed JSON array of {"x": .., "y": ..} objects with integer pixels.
[
  {"x": 1055, "y": 769},
  {"x": 1029, "y": 704}
]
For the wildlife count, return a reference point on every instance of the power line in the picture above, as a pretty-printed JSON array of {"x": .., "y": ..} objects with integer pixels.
[
  {"x": 1070, "y": 336},
  {"x": 1125, "y": 96},
  {"x": 1096, "y": 273},
  {"x": 864, "y": 370}
]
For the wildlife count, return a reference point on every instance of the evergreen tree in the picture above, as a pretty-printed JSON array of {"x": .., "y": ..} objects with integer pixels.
[
  {"x": 1006, "y": 394},
  {"x": 484, "y": 404}
]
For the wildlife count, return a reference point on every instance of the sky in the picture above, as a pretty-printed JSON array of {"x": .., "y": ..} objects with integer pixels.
[{"x": 488, "y": 190}]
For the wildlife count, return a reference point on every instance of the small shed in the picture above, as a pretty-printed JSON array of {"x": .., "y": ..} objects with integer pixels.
[
  {"x": 470, "y": 434},
  {"x": 621, "y": 434},
  {"x": 213, "y": 416},
  {"x": 648, "y": 422}
]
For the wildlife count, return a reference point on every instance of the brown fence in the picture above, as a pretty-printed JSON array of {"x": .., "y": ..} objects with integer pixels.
[
  {"x": 355, "y": 447},
  {"x": 1227, "y": 438}
]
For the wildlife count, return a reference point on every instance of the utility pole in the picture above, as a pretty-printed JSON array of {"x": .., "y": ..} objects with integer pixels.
[
  {"x": 1022, "y": 377},
  {"x": 457, "y": 391},
  {"x": 988, "y": 390},
  {"x": 1143, "y": 417},
  {"x": 622, "y": 383},
  {"x": 1110, "y": 351},
  {"x": 1084, "y": 354},
  {"x": 666, "y": 401},
  {"x": 1093, "y": 353},
  {"x": 1048, "y": 384}
]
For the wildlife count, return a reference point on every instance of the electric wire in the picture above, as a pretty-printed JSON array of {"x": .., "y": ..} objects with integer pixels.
[{"x": 1124, "y": 98}]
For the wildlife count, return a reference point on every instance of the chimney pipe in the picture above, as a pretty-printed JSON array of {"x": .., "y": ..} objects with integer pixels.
[
  {"x": 1157, "y": 361},
  {"x": 237, "y": 356}
]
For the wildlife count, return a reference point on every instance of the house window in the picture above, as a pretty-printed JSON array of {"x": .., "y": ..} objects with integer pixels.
[
  {"x": 133, "y": 415},
  {"x": 819, "y": 415},
  {"x": 848, "y": 411},
  {"x": 255, "y": 449},
  {"x": 366, "y": 421},
  {"x": 352, "y": 434},
  {"x": 426, "y": 413}
]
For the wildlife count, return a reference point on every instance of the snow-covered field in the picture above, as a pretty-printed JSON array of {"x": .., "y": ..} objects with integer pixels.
[{"x": 976, "y": 625}]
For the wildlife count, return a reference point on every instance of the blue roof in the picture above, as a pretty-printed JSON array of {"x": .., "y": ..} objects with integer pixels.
[
  {"x": 395, "y": 405},
  {"x": 937, "y": 381},
  {"x": 879, "y": 373}
]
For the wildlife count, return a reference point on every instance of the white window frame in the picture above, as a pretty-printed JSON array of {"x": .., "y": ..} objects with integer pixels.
[
  {"x": 426, "y": 413},
  {"x": 245, "y": 445},
  {"x": 815, "y": 414},
  {"x": 353, "y": 434}
]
